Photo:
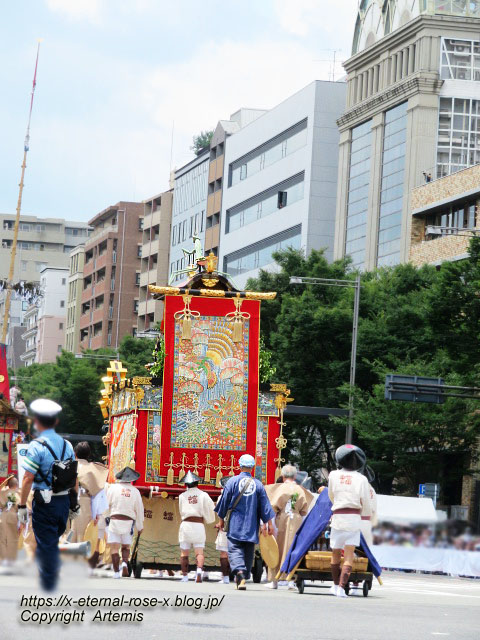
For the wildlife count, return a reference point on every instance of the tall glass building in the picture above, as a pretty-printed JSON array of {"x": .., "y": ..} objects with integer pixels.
[{"x": 413, "y": 111}]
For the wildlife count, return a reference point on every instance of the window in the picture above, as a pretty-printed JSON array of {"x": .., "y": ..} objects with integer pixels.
[
  {"x": 64, "y": 281},
  {"x": 137, "y": 278},
  {"x": 140, "y": 224},
  {"x": 356, "y": 232},
  {"x": 268, "y": 153},
  {"x": 460, "y": 59},
  {"x": 265, "y": 203},
  {"x": 40, "y": 227},
  {"x": 135, "y": 306},
  {"x": 391, "y": 196},
  {"x": 260, "y": 254},
  {"x": 190, "y": 188},
  {"x": 60, "y": 325},
  {"x": 139, "y": 251},
  {"x": 453, "y": 217},
  {"x": 458, "y": 135},
  {"x": 24, "y": 265},
  {"x": 25, "y": 226},
  {"x": 62, "y": 304}
]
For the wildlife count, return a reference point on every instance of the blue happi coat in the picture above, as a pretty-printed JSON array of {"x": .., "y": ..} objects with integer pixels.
[{"x": 253, "y": 506}]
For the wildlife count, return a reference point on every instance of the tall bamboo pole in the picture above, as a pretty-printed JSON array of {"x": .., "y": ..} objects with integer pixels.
[{"x": 19, "y": 208}]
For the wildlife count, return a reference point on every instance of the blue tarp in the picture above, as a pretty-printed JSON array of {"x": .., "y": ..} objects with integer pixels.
[{"x": 312, "y": 527}]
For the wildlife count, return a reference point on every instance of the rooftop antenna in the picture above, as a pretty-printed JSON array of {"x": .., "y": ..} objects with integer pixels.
[{"x": 19, "y": 207}]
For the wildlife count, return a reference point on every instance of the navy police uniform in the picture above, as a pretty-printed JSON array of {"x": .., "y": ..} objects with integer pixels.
[{"x": 49, "y": 519}]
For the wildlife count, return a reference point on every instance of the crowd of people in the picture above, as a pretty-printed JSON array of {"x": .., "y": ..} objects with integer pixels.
[{"x": 449, "y": 535}]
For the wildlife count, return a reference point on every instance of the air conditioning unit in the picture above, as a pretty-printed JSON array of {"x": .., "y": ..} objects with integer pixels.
[{"x": 433, "y": 231}]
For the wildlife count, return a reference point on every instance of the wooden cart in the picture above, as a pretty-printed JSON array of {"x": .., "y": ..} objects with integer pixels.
[{"x": 315, "y": 566}]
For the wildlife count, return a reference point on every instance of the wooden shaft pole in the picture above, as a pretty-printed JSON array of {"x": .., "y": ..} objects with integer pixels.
[{"x": 14, "y": 249}]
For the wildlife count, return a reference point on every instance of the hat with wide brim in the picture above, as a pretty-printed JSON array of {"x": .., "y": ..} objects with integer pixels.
[
  {"x": 127, "y": 474},
  {"x": 91, "y": 535},
  {"x": 269, "y": 551},
  {"x": 190, "y": 478}
]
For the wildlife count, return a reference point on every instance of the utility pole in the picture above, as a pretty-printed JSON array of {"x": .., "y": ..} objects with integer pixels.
[{"x": 11, "y": 271}]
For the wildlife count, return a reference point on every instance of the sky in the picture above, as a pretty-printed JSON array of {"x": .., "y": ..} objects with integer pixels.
[{"x": 117, "y": 78}]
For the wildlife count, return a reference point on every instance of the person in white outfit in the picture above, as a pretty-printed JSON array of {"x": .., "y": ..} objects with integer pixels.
[
  {"x": 126, "y": 511},
  {"x": 349, "y": 492},
  {"x": 196, "y": 510},
  {"x": 369, "y": 521}
]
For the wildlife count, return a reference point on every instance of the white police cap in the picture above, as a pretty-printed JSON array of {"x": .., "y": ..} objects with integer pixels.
[
  {"x": 247, "y": 461},
  {"x": 45, "y": 407}
]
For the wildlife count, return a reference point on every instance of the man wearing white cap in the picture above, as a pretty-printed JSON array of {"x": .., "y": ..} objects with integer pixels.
[
  {"x": 243, "y": 503},
  {"x": 51, "y": 469}
]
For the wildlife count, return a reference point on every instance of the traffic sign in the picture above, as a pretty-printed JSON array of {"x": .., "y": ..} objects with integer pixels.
[{"x": 421, "y": 490}]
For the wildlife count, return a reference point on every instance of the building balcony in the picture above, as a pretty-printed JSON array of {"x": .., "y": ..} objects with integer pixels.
[
  {"x": 148, "y": 277},
  {"x": 152, "y": 219},
  {"x": 85, "y": 320},
  {"x": 88, "y": 268},
  {"x": 146, "y": 307},
  {"x": 100, "y": 287},
  {"x": 444, "y": 249},
  {"x": 29, "y": 354},
  {"x": 150, "y": 248},
  {"x": 96, "y": 342},
  {"x": 99, "y": 234},
  {"x": 446, "y": 190},
  {"x": 29, "y": 333},
  {"x": 100, "y": 261}
]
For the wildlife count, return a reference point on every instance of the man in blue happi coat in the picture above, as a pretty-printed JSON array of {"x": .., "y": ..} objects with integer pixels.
[{"x": 252, "y": 506}]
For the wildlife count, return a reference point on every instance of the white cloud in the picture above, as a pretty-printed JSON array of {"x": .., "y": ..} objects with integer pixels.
[
  {"x": 303, "y": 17},
  {"x": 221, "y": 78},
  {"x": 76, "y": 10}
]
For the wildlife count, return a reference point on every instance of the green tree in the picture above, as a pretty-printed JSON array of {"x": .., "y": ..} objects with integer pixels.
[{"x": 201, "y": 141}]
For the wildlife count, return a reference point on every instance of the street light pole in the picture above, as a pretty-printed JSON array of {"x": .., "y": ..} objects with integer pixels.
[
  {"x": 355, "y": 284},
  {"x": 353, "y": 360}
]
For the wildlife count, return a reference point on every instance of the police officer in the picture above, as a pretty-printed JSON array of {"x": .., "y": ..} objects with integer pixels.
[{"x": 50, "y": 510}]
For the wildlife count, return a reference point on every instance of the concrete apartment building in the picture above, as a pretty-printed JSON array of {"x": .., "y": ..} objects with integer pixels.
[
  {"x": 41, "y": 242},
  {"x": 154, "y": 256},
  {"x": 45, "y": 321},
  {"x": 189, "y": 207},
  {"x": 412, "y": 102},
  {"x": 74, "y": 298},
  {"x": 111, "y": 276},
  {"x": 281, "y": 181}
]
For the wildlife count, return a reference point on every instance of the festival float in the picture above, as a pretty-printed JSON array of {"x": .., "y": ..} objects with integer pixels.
[
  {"x": 9, "y": 419},
  {"x": 205, "y": 411}
]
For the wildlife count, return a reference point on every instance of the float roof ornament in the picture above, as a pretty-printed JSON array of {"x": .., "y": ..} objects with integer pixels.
[{"x": 378, "y": 18}]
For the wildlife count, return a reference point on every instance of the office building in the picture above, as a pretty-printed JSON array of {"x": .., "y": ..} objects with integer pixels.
[
  {"x": 74, "y": 298},
  {"x": 281, "y": 178},
  {"x": 44, "y": 330},
  {"x": 111, "y": 276},
  {"x": 189, "y": 207},
  {"x": 154, "y": 257},
  {"x": 413, "y": 109}
]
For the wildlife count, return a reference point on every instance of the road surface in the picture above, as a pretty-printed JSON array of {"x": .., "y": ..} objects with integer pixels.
[{"x": 408, "y": 606}]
